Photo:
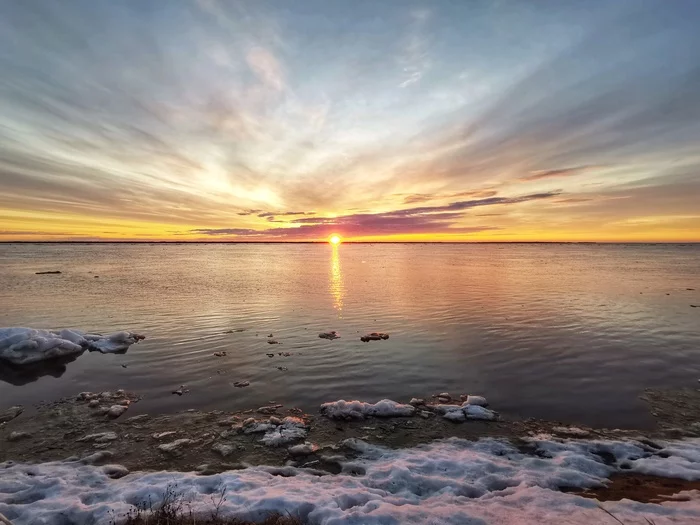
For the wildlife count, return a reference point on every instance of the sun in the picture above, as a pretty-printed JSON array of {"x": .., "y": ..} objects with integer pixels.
[{"x": 334, "y": 239}]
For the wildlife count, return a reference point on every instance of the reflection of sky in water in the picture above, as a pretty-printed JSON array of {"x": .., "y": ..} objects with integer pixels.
[
  {"x": 566, "y": 332},
  {"x": 337, "y": 288}
]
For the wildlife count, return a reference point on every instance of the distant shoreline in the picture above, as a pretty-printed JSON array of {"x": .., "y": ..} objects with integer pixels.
[{"x": 606, "y": 243}]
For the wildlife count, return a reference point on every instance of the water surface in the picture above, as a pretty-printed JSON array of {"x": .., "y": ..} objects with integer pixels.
[{"x": 570, "y": 332}]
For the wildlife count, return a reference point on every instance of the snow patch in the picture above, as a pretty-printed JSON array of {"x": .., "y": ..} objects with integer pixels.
[
  {"x": 449, "y": 482},
  {"x": 22, "y": 346}
]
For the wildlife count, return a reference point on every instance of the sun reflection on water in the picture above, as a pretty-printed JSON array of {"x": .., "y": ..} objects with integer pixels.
[{"x": 336, "y": 286}]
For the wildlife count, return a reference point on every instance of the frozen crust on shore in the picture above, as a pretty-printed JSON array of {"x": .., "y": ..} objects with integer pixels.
[
  {"x": 21, "y": 346},
  {"x": 359, "y": 410},
  {"x": 451, "y": 481}
]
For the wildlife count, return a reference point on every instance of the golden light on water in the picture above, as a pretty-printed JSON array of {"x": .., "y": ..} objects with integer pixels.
[
  {"x": 336, "y": 285},
  {"x": 335, "y": 239}
]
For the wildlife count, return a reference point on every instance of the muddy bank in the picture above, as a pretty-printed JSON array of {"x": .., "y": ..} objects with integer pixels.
[{"x": 216, "y": 441}]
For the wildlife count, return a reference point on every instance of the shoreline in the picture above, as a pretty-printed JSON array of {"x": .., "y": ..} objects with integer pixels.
[{"x": 216, "y": 440}]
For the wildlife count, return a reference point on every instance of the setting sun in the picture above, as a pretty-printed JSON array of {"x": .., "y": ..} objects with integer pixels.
[{"x": 334, "y": 239}]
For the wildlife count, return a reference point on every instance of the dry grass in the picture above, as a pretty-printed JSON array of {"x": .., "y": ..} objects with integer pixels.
[{"x": 174, "y": 509}]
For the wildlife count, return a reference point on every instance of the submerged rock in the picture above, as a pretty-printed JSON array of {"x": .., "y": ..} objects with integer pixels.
[
  {"x": 51, "y": 272},
  {"x": 329, "y": 335},
  {"x": 220, "y": 354},
  {"x": 241, "y": 384}
]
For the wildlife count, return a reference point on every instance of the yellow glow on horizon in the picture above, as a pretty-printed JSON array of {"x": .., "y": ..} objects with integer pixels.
[{"x": 335, "y": 239}]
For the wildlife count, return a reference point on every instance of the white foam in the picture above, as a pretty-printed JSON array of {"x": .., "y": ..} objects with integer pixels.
[
  {"x": 23, "y": 346},
  {"x": 448, "y": 482},
  {"x": 359, "y": 410}
]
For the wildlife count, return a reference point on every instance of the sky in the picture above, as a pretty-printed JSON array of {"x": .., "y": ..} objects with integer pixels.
[{"x": 461, "y": 120}]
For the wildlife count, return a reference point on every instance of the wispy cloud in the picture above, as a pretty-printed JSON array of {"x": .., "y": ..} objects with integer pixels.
[{"x": 553, "y": 174}]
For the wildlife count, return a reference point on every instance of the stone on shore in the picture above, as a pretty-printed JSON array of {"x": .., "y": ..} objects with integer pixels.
[
  {"x": 115, "y": 471},
  {"x": 174, "y": 448},
  {"x": 116, "y": 410},
  {"x": 17, "y": 436},
  {"x": 223, "y": 449},
  {"x": 100, "y": 437},
  {"x": 10, "y": 413}
]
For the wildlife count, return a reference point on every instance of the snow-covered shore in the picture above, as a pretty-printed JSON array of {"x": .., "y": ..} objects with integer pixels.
[{"x": 453, "y": 481}]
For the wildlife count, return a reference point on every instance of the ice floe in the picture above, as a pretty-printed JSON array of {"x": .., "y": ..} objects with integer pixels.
[
  {"x": 359, "y": 410},
  {"x": 22, "y": 346},
  {"x": 449, "y": 482}
]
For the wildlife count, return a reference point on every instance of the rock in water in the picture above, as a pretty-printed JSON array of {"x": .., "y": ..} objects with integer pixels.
[
  {"x": 329, "y": 335},
  {"x": 374, "y": 336}
]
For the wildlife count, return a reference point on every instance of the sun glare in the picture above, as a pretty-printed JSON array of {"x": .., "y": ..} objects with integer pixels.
[{"x": 334, "y": 239}]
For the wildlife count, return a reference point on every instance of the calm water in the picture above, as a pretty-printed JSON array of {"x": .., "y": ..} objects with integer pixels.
[{"x": 569, "y": 332}]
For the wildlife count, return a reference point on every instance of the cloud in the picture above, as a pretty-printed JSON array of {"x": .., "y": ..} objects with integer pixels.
[
  {"x": 426, "y": 197},
  {"x": 266, "y": 67},
  {"x": 285, "y": 213},
  {"x": 552, "y": 174},
  {"x": 425, "y": 219},
  {"x": 226, "y": 231}
]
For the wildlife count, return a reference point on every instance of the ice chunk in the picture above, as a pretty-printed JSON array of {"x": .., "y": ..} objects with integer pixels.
[
  {"x": 455, "y": 415},
  {"x": 359, "y": 410},
  {"x": 452, "y": 412},
  {"x": 476, "y": 400},
  {"x": 479, "y": 412},
  {"x": 284, "y": 434},
  {"x": 22, "y": 346}
]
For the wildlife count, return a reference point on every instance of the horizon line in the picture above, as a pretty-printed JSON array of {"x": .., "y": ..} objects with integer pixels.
[{"x": 348, "y": 242}]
